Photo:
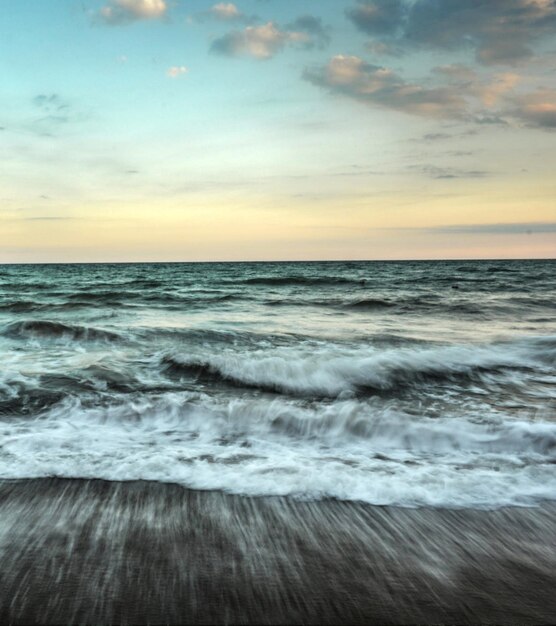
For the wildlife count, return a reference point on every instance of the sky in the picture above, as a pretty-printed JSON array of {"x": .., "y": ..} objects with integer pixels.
[{"x": 186, "y": 130}]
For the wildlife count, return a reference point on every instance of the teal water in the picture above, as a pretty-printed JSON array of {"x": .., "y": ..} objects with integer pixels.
[{"x": 408, "y": 383}]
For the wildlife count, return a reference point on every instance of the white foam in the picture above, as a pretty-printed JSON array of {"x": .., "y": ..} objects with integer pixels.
[
  {"x": 348, "y": 449},
  {"x": 336, "y": 371}
]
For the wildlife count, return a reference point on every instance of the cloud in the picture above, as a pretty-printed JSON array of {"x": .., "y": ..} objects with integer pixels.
[
  {"x": 353, "y": 77},
  {"x": 537, "y": 109},
  {"x": 312, "y": 26},
  {"x": 456, "y": 73},
  {"x": 442, "y": 136},
  {"x": 176, "y": 71},
  {"x": 446, "y": 173},
  {"x": 490, "y": 120},
  {"x": 259, "y": 42},
  {"x": 498, "y": 31},
  {"x": 501, "y": 84},
  {"x": 488, "y": 89},
  {"x": 379, "y": 17},
  {"x": 225, "y": 11},
  {"x": 519, "y": 228},
  {"x": 54, "y": 111},
  {"x": 50, "y": 103},
  {"x": 381, "y": 48},
  {"x": 436, "y": 136},
  {"x": 454, "y": 92},
  {"x": 122, "y": 12}
]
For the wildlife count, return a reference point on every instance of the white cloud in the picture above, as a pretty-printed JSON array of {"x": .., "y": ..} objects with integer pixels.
[
  {"x": 353, "y": 77},
  {"x": 176, "y": 71},
  {"x": 260, "y": 42},
  {"x": 119, "y": 12},
  {"x": 225, "y": 11}
]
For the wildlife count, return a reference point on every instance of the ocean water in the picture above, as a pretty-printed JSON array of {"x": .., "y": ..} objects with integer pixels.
[{"x": 403, "y": 383}]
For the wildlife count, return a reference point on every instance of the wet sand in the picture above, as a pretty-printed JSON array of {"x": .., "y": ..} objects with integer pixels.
[{"x": 76, "y": 551}]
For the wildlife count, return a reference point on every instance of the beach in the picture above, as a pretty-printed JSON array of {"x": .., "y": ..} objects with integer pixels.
[{"x": 90, "y": 551}]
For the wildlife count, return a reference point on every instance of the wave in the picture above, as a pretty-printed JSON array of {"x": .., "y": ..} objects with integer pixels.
[
  {"x": 162, "y": 298},
  {"x": 29, "y": 306},
  {"x": 536, "y": 301},
  {"x": 414, "y": 304},
  {"x": 370, "y": 303},
  {"x": 335, "y": 371},
  {"x": 50, "y": 329},
  {"x": 298, "y": 280},
  {"x": 436, "y": 304},
  {"x": 214, "y": 338},
  {"x": 349, "y": 450},
  {"x": 104, "y": 297},
  {"x": 363, "y": 304},
  {"x": 22, "y": 306},
  {"x": 400, "y": 305}
]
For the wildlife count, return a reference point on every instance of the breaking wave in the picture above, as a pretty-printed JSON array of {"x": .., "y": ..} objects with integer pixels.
[
  {"x": 328, "y": 372},
  {"x": 349, "y": 450},
  {"x": 50, "y": 329}
]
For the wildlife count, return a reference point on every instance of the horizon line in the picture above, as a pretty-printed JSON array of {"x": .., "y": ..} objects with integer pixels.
[{"x": 199, "y": 262}]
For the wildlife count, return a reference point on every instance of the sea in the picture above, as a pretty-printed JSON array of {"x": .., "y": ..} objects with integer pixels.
[{"x": 413, "y": 384}]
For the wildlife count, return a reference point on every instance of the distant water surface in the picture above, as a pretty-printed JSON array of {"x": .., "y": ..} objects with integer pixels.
[{"x": 403, "y": 383}]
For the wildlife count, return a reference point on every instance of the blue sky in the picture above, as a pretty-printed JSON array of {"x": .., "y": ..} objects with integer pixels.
[{"x": 266, "y": 129}]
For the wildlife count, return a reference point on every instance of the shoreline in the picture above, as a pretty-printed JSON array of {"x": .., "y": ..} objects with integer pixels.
[{"x": 94, "y": 551}]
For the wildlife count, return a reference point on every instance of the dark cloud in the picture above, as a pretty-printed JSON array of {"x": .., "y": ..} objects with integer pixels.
[
  {"x": 520, "y": 228},
  {"x": 55, "y": 112},
  {"x": 499, "y": 31},
  {"x": 436, "y": 136},
  {"x": 496, "y": 120},
  {"x": 440, "y": 136},
  {"x": 456, "y": 73},
  {"x": 52, "y": 115},
  {"x": 239, "y": 43},
  {"x": 379, "y": 17},
  {"x": 381, "y": 48},
  {"x": 536, "y": 109},
  {"x": 50, "y": 103},
  {"x": 314, "y": 27},
  {"x": 446, "y": 173}
]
